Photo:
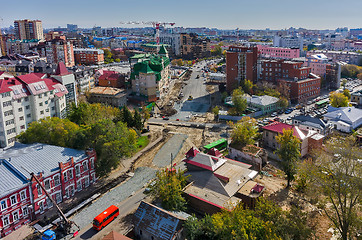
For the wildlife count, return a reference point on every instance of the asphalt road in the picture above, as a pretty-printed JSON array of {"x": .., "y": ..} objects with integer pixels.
[{"x": 196, "y": 88}]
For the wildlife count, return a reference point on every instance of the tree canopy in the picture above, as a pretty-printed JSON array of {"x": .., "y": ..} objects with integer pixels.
[
  {"x": 336, "y": 175},
  {"x": 288, "y": 152},
  {"x": 168, "y": 188},
  {"x": 338, "y": 100},
  {"x": 244, "y": 132},
  {"x": 239, "y": 102}
]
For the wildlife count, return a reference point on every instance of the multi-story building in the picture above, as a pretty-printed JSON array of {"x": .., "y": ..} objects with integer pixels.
[
  {"x": 108, "y": 95},
  {"x": 84, "y": 78},
  {"x": 25, "y": 99},
  {"x": 288, "y": 42},
  {"x": 173, "y": 40},
  {"x": 59, "y": 50},
  {"x": 22, "y": 200},
  {"x": 150, "y": 76},
  {"x": 301, "y": 83},
  {"x": 68, "y": 80},
  {"x": 192, "y": 46},
  {"x": 20, "y": 46},
  {"x": 339, "y": 56},
  {"x": 28, "y": 29},
  {"x": 278, "y": 52},
  {"x": 111, "y": 79},
  {"x": 88, "y": 56},
  {"x": 241, "y": 64}
]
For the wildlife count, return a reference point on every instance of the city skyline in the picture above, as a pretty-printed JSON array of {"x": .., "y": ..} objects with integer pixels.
[{"x": 277, "y": 14}]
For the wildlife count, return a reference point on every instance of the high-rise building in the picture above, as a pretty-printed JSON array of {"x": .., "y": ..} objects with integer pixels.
[
  {"x": 28, "y": 29},
  {"x": 241, "y": 64},
  {"x": 59, "y": 50}
]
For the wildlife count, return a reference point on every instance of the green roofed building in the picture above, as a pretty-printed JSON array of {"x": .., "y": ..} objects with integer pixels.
[{"x": 151, "y": 75}]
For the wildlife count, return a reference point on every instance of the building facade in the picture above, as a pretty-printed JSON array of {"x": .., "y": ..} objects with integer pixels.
[
  {"x": 108, "y": 95},
  {"x": 339, "y": 56},
  {"x": 20, "y": 46},
  {"x": 278, "y": 52},
  {"x": 59, "y": 50},
  {"x": 192, "y": 46},
  {"x": 28, "y": 29},
  {"x": 241, "y": 64},
  {"x": 88, "y": 56},
  {"x": 173, "y": 40},
  {"x": 22, "y": 200},
  {"x": 25, "y": 99},
  {"x": 288, "y": 42}
]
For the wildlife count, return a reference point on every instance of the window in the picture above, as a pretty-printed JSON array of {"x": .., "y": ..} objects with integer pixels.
[
  {"x": 8, "y": 113},
  {"x": 58, "y": 197},
  {"x": 79, "y": 185},
  {"x": 15, "y": 216},
  {"x": 86, "y": 181},
  {"x": 49, "y": 203},
  {"x": 3, "y": 205},
  {"x": 20, "y": 109},
  {"x": 6, "y": 221},
  {"x": 26, "y": 99},
  {"x": 85, "y": 166},
  {"x": 22, "y": 195},
  {"x": 42, "y": 112},
  {"x": 77, "y": 170},
  {"x": 40, "y": 96},
  {"x": 39, "y": 189},
  {"x": 92, "y": 163},
  {"x": 19, "y": 100},
  {"x": 40, "y": 104},
  {"x": 13, "y": 199},
  {"x": 70, "y": 174},
  {"x": 6, "y": 94},
  {"x": 28, "y": 116},
  {"x": 53, "y": 108},
  {"x": 7, "y": 103},
  {"x": 25, "y": 211},
  {"x": 21, "y": 118},
  {"x": 65, "y": 174},
  {"x": 41, "y": 206},
  {"x": 46, "y": 102},
  {"x": 47, "y": 184},
  {"x": 10, "y": 131}
]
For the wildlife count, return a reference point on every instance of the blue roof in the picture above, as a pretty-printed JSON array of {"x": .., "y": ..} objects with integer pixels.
[
  {"x": 39, "y": 157},
  {"x": 9, "y": 179},
  {"x": 308, "y": 119}
]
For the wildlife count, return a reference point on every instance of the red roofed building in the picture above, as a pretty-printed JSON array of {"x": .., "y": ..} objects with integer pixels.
[
  {"x": 28, "y": 98},
  {"x": 111, "y": 79},
  {"x": 274, "y": 129}
]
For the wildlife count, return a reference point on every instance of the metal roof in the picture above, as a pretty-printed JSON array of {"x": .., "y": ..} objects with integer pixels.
[
  {"x": 39, "y": 157},
  {"x": 9, "y": 179}
]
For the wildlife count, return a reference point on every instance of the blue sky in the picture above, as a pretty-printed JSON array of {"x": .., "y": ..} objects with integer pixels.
[{"x": 227, "y": 14}]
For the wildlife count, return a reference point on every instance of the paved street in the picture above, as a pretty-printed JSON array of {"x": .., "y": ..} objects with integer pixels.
[{"x": 197, "y": 89}]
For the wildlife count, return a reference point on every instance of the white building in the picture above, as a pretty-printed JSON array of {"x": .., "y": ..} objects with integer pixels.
[
  {"x": 172, "y": 39},
  {"x": 28, "y": 98},
  {"x": 288, "y": 42}
]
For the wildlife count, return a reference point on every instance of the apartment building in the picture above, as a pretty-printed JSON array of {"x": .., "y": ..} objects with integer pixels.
[
  {"x": 59, "y": 50},
  {"x": 339, "y": 56},
  {"x": 241, "y": 64},
  {"x": 193, "y": 46},
  {"x": 25, "y": 99},
  {"x": 84, "y": 78},
  {"x": 301, "y": 83},
  {"x": 88, "y": 56},
  {"x": 173, "y": 40},
  {"x": 150, "y": 76},
  {"x": 288, "y": 42},
  {"x": 28, "y": 29},
  {"x": 65, "y": 173},
  {"x": 278, "y": 52},
  {"x": 20, "y": 46}
]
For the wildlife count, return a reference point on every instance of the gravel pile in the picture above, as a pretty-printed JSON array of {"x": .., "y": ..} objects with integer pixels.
[
  {"x": 174, "y": 145},
  {"x": 115, "y": 196}
]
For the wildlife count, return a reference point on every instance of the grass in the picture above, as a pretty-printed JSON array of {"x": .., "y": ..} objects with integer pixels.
[{"x": 142, "y": 142}]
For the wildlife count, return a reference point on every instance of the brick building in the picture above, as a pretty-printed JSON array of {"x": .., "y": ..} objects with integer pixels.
[
  {"x": 63, "y": 174},
  {"x": 111, "y": 79},
  {"x": 278, "y": 52},
  {"x": 59, "y": 50},
  {"x": 241, "y": 64},
  {"x": 28, "y": 29},
  {"x": 301, "y": 83},
  {"x": 88, "y": 56},
  {"x": 192, "y": 46}
]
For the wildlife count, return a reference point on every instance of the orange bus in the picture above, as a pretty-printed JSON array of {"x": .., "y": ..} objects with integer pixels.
[{"x": 105, "y": 217}]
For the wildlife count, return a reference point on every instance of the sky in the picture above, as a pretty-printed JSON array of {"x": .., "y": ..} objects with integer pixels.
[{"x": 223, "y": 14}]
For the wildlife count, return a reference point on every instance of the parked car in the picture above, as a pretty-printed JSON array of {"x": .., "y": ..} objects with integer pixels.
[{"x": 165, "y": 118}]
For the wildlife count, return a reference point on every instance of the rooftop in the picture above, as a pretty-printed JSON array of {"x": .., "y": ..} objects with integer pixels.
[
  {"x": 262, "y": 100},
  {"x": 279, "y": 127},
  {"x": 107, "y": 91}
]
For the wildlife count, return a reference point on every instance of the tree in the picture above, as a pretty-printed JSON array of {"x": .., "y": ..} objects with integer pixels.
[
  {"x": 86, "y": 113},
  {"x": 244, "y": 132},
  {"x": 288, "y": 152},
  {"x": 168, "y": 188},
  {"x": 117, "y": 60},
  {"x": 347, "y": 93},
  {"x": 145, "y": 114},
  {"x": 199, "y": 228},
  {"x": 215, "y": 110},
  {"x": 137, "y": 120},
  {"x": 283, "y": 102},
  {"x": 248, "y": 86},
  {"x": 54, "y": 131},
  {"x": 336, "y": 175},
  {"x": 126, "y": 116},
  {"x": 217, "y": 51},
  {"x": 239, "y": 101},
  {"x": 338, "y": 100}
]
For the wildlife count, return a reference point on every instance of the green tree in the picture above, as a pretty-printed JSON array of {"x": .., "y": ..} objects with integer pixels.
[
  {"x": 288, "y": 152},
  {"x": 137, "y": 120},
  {"x": 283, "y": 102},
  {"x": 347, "y": 93},
  {"x": 336, "y": 175},
  {"x": 54, "y": 131},
  {"x": 145, "y": 114},
  {"x": 338, "y": 100},
  {"x": 168, "y": 188},
  {"x": 215, "y": 110},
  {"x": 126, "y": 116},
  {"x": 244, "y": 132},
  {"x": 248, "y": 86},
  {"x": 86, "y": 113},
  {"x": 108, "y": 57},
  {"x": 239, "y": 101},
  {"x": 117, "y": 60},
  {"x": 199, "y": 228},
  {"x": 217, "y": 51}
]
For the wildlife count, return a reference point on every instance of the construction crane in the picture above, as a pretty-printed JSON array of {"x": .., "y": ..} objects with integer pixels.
[
  {"x": 65, "y": 224},
  {"x": 154, "y": 24}
]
